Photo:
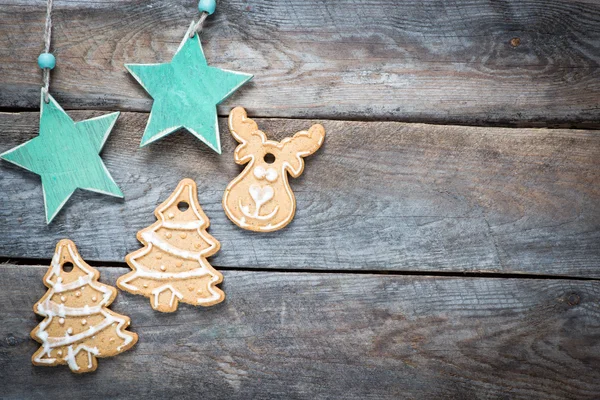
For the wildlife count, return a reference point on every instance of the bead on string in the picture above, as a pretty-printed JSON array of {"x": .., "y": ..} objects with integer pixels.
[
  {"x": 46, "y": 60},
  {"x": 206, "y": 8}
]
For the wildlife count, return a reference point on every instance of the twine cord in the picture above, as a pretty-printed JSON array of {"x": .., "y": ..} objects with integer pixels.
[
  {"x": 197, "y": 28},
  {"x": 198, "y": 25},
  {"x": 47, "y": 36}
]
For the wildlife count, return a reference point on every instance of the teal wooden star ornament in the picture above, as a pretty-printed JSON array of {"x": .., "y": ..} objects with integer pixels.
[
  {"x": 66, "y": 155},
  {"x": 186, "y": 93}
]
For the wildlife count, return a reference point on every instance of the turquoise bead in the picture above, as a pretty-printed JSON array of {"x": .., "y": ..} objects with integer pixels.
[
  {"x": 46, "y": 60},
  {"x": 207, "y": 6}
]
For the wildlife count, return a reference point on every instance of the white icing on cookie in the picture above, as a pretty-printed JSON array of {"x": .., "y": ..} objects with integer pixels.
[
  {"x": 259, "y": 172},
  {"x": 271, "y": 175},
  {"x": 193, "y": 273},
  {"x": 82, "y": 280},
  {"x": 153, "y": 238},
  {"x": 189, "y": 225},
  {"x": 247, "y": 187},
  {"x": 50, "y": 310},
  {"x": 174, "y": 293},
  {"x": 260, "y": 195},
  {"x": 141, "y": 272},
  {"x": 246, "y": 211},
  {"x": 73, "y": 352},
  {"x": 156, "y": 276}
]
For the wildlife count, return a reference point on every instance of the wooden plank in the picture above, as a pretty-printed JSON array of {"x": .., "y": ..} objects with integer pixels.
[
  {"x": 428, "y": 61},
  {"x": 420, "y": 197},
  {"x": 351, "y": 336}
]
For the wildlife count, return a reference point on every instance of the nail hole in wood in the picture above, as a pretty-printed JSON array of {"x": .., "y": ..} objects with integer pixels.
[{"x": 573, "y": 299}]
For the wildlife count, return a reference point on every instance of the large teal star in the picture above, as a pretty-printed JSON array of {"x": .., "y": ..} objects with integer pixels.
[
  {"x": 186, "y": 92},
  {"x": 65, "y": 155}
]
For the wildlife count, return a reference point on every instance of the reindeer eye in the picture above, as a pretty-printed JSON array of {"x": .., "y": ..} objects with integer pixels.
[
  {"x": 259, "y": 172},
  {"x": 271, "y": 175},
  {"x": 269, "y": 158}
]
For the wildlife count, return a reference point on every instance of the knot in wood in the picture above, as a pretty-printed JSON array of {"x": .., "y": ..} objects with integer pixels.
[{"x": 573, "y": 299}]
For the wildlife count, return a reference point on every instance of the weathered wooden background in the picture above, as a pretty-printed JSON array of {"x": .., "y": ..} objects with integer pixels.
[{"x": 455, "y": 260}]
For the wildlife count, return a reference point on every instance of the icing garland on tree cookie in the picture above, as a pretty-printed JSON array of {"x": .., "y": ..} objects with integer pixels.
[
  {"x": 78, "y": 326},
  {"x": 172, "y": 265}
]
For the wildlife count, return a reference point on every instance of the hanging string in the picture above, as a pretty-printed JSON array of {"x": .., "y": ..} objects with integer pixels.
[
  {"x": 198, "y": 25},
  {"x": 47, "y": 35},
  {"x": 206, "y": 8}
]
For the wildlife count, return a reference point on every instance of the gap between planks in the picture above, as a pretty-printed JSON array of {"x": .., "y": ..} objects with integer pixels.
[
  {"x": 591, "y": 126},
  {"x": 34, "y": 262}
]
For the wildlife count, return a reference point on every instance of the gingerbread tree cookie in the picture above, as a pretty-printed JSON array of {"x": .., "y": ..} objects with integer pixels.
[
  {"x": 172, "y": 265},
  {"x": 78, "y": 327}
]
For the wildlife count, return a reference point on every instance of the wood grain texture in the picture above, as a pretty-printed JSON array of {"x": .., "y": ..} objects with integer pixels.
[
  {"x": 420, "y": 61},
  {"x": 419, "y": 197},
  {"x": 317, "y": 336}
]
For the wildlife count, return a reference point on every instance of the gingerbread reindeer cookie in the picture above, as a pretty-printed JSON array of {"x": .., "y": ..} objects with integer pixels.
[
  {"x": 78, "y": 326},
  {"x": 260, "y": 198},
  {"x": 172, "y": 265}
]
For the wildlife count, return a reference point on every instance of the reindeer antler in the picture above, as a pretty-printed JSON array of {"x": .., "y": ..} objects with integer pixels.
[
  {"x": 305, "y": 142},
  {"x": 302, "y": 144},
  {"x": 246, "y": 132}
]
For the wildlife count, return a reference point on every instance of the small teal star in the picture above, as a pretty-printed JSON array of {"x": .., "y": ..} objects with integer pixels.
[
  {"x": 186, "y": 93},
  {"x": 66, "y": 156}
]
